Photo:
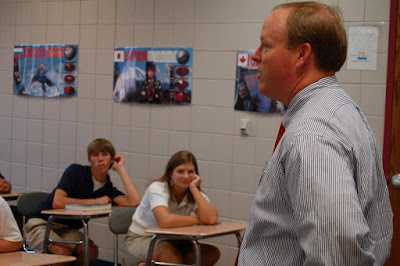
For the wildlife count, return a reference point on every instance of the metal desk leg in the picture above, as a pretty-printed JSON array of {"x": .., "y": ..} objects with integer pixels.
[
  {"x": 46, "y": 235},
  {"x": 239, "y": 238},
  {"x": 197, "y": 252},
  {"x": 151, "y": 249},
  {"x": 86, "y": 242}
]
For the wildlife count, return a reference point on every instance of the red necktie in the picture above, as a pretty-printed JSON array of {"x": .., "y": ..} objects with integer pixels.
[
  {"x": 280, "y": 134},
  {"x": 278, "y": 138}
]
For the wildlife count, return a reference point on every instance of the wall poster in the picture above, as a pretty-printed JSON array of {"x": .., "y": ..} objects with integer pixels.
[
  {"x": 153, "y": 75},
  {"x": 46, "y": 70},
  {"x": 362, "y": 52},
  {"x": 247, "y": 96}
]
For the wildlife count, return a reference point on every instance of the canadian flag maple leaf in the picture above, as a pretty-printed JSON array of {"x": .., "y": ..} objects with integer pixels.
[{"x": 242, "y": 59}]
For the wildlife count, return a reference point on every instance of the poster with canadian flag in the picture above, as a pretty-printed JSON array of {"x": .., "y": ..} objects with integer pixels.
[
  {"x": 153, "y": 75},
  {"x": 46, "y": 70},
  {"x": 247, "y": 95}
]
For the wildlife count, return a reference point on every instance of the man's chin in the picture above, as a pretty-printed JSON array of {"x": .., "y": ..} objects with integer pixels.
[{"x": 102, "y": 168}]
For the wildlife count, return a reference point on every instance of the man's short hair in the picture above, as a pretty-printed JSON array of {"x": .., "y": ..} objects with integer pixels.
[
  {"x": 321, "y": 26},
  {"x": 100, "y": 145}
]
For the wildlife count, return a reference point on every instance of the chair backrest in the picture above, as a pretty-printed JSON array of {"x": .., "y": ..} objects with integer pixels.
[
  {"x": 28, "y": 202},
  {"x": 119, "y": 222}
]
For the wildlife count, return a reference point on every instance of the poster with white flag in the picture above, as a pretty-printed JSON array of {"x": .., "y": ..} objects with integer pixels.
[
  {"x": 247, "y": 95},
  {"x": 153, "y": 75}
]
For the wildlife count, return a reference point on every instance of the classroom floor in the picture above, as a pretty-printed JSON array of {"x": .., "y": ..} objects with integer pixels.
[{"x": 103, "y": 263}]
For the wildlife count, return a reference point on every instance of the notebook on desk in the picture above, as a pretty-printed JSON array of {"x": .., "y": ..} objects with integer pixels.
[{"x": 88, "y": 207}]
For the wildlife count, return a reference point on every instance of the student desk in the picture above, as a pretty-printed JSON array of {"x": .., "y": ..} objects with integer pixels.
[
  {"x": 22, "y": 258},
  {"x": 84, "y": 216},
  {"x": 10, "y": 196},
  {"x": 195, "y": 233}
]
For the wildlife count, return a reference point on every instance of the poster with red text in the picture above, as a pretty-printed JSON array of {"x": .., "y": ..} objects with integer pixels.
[
  {"x": 46, "y": 70},
  {"x": 247, "y": 95},
  {"x": 153, "y": 75}
]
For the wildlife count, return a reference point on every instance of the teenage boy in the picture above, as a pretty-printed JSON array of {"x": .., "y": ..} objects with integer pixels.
[{"x": 81, "y": 184}]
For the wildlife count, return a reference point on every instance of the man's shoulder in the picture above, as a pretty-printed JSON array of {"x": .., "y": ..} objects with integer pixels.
[
  {"x": 78, "y": 167},
  {"x": 77, "y": 171}
]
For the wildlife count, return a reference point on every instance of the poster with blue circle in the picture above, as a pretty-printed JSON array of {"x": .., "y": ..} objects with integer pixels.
[
  {"x": 46, "y": 70},
  {"x": 153, "y": 75}
]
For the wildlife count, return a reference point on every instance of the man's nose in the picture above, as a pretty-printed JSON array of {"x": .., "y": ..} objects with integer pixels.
[{"x": 256, "y": 56}]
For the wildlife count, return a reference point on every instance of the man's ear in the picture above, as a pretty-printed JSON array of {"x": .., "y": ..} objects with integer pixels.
[
  {"x": 304, "y": 53},
  {"x": 112, "y": 163}
]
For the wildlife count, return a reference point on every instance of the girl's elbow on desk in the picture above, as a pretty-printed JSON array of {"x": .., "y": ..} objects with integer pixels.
[{"x": 210, "y": 221}]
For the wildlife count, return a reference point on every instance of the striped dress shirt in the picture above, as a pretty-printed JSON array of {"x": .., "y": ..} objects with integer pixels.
[{"x": 322, "y": 198}]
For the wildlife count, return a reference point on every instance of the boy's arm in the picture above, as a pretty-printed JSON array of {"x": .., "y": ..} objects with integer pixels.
[
  {"x": 61, "y": 199},
  {"x": 132, "y": 197}
]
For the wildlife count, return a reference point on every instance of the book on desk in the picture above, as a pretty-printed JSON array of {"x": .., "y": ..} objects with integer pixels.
[{"x": 88, "y": 207}]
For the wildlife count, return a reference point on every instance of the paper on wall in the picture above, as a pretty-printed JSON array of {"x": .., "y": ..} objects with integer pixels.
[{"x": 363, "y": 47}]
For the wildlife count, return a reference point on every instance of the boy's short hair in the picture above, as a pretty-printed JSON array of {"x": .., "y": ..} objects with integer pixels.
[{"x": 100, "y": 145}]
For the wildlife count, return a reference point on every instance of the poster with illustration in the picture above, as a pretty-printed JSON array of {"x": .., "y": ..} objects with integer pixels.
[
  {"x": 153, "y": 75},
  {"x": 46, "y": 70},
  {"x": 247, "y": 96}
]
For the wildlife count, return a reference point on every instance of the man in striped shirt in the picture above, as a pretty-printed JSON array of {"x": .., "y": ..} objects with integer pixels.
[{"x": 322, "y": 198}]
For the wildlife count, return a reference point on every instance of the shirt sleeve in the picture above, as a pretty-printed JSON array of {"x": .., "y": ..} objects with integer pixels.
[
  {"x": 320, "y": 187},
  {"x": 8, "y": 226},
  {"x": 158, "y": 195},
  {"x": 113, "y": 192},
  {"x": 68, "y": 180}
]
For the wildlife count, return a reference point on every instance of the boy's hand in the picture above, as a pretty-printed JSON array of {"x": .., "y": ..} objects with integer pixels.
[
  {"x": 118, "y": 162},
  {"x": 103, "y": 200}
]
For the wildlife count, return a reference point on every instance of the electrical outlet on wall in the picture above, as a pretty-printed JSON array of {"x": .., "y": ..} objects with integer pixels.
[{"x": 244, "y": 126}]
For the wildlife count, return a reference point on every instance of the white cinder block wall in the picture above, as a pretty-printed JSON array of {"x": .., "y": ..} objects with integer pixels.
[{"x": 39, "y": 138}]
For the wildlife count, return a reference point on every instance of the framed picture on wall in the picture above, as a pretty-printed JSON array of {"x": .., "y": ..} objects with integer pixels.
[
  {"x": 46, "y": 70},
  {"x": 247, "y": 95},
  {"x": 153, "y": 75}
]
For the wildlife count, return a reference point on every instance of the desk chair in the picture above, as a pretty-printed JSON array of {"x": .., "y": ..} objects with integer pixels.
[
  {"x": 26, "y": 204},
  {"x": 119, "y": 222}
]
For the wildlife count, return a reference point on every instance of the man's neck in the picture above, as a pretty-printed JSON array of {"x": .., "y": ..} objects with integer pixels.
[
  {"x": 309, "y": 79},
  {"x": 101, "y": 177}
]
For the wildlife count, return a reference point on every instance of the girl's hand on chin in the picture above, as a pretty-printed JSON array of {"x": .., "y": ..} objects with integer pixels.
[{"x": 195, "y": 182}]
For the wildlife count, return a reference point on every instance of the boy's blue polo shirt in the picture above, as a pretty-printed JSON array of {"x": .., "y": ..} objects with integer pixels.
[{"x": 77, "y": 183}]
